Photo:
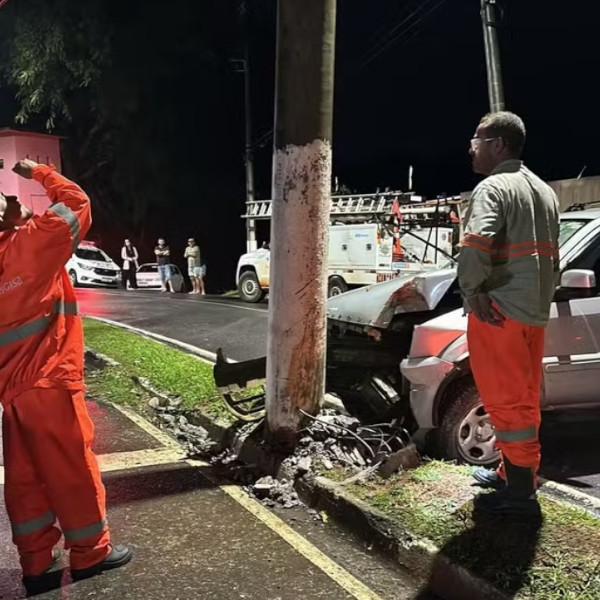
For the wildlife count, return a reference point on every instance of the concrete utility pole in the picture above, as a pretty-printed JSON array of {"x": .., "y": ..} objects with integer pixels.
[
  {"x": 300, "y": 214},
  {"x": 492, "y": 54},
  {"x": 249, "y": 154}
]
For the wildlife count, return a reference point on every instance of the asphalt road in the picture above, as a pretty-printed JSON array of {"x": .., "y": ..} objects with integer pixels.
[
  {"x": 208, "y": 322},
  {"x": 569, "y": 452}
]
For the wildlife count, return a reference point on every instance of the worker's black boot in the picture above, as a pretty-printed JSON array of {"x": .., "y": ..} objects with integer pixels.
[
  {"x": 49, "y": 580},
  {"x": 118, "y": 557},
  {"x": 518, "y": 499},
  {"x": 488, "y": 479}
]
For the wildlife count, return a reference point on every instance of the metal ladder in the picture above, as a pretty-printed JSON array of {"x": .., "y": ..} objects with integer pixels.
[{"x": 354, "y": 207}]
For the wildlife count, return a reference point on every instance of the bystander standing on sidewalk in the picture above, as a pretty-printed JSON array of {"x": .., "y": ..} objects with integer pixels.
[
  {"x": 163, "y": 258},
  {"x": 130, "y": 256},
  {"x": 195, "y": 269}
]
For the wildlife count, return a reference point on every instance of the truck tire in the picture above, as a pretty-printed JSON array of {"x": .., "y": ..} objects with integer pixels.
[
  {"x": 249, "y": 288},
  {"x": 465, "y": 433},
  {"x": 336, "y": 286}
]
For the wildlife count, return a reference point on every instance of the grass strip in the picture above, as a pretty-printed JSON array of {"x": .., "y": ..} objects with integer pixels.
[{"x": 166, "y": 368}]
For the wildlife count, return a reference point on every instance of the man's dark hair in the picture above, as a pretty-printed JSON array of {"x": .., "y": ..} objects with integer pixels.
[{"x": 509, "y": 127}]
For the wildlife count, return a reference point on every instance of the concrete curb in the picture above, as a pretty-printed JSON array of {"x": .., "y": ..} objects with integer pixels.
[{"x": 415, "y": 554}]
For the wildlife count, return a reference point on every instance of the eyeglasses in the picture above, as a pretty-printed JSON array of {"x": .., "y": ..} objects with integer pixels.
[{"x": 476, "y": 141}]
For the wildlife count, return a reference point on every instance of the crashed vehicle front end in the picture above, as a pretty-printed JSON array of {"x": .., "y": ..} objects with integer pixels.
[{"x": 370, "y": 331}]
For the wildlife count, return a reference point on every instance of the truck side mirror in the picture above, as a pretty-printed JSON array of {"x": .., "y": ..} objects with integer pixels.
[{"x": 581, "y": 279}]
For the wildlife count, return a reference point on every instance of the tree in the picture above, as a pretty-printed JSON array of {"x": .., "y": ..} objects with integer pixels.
[{"x": 134, "y": 87}]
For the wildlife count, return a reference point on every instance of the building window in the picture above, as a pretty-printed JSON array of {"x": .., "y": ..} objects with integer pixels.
[{"x": 1, "y": 163}]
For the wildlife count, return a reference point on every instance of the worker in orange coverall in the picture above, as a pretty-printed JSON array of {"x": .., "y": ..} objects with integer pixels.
[
  {"x": 507, "y": 271},
  {"x": 51, "y": 473}
]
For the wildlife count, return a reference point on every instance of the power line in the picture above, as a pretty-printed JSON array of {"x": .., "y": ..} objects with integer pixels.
[
  {"x": 382, "y": 28},
  {"x": 386, "y": 33},
  {"x": 402, "y": 34},
  {"x": 420, "y": 12}
]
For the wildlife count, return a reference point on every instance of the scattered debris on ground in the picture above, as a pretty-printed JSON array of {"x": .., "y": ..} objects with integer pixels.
[
  {"x": 169, "y": 416},
  {"x": 329, "y": 440}
]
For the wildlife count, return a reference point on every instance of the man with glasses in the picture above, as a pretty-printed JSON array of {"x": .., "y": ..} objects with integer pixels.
[{"x": 507, "y": 271}]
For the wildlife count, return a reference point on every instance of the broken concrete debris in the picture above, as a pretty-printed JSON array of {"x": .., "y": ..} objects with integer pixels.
[{"x": 329, "y": 439}]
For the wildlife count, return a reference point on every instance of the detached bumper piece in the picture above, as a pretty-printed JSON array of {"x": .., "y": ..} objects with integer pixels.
[{"x": 242, "y": 386}]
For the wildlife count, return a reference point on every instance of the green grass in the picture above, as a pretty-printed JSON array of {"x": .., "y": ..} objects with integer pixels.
[
  {"x": 559, "y": 560},
  {"x": 167, "y": 369}
]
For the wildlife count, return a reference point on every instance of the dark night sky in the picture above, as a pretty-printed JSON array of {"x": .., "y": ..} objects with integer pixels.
[{"x": 416, "y": 103}]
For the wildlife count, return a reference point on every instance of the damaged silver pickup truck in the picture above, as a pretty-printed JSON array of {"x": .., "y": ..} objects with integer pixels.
[{"x": 398, "y": 350}]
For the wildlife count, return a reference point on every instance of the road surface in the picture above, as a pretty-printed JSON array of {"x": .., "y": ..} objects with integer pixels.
[
  {"x": 207, "y": 322},
  {"x": 241, "y": 330}
]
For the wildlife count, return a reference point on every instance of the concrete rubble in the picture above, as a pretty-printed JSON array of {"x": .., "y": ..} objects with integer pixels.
[
  {"x": 169, "y": 416},
  {"x": 327, "y": 440}
]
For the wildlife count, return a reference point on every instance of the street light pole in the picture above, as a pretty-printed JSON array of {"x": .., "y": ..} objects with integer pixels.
[
  {"x": 492, "y": 55},
  {"x": 248, "y": 150},
  {"x": 296, "y": 346}
]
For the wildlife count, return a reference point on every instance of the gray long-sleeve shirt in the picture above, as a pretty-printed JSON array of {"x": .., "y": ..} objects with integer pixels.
[{"x": 509, "y": 248}]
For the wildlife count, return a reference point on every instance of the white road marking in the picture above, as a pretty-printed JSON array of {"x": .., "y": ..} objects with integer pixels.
[{"x": 204, "y": 303}]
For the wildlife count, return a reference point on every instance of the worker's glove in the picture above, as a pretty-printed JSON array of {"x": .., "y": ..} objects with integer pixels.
[
  {"x": 482, "y": 307},
  {"x": 25, "y": 167}
]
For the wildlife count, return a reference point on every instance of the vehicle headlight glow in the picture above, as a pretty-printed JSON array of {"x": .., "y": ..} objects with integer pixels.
[{"x": 85, "y": 267}]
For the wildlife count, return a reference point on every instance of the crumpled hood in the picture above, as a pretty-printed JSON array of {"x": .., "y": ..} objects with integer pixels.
[{"x": 376, "y": 305}]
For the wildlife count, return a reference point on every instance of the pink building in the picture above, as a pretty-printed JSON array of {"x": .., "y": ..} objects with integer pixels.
[{"x": 16, "y": 145}]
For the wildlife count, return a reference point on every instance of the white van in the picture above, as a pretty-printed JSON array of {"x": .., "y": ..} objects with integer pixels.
[{"x": 90, "y": 265}]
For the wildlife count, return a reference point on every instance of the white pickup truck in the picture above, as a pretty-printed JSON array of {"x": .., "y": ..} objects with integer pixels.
[{"x": 359, "y": 255}]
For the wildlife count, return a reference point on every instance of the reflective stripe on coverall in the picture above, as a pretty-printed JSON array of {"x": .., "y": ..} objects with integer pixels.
[{"x": 51, "y": 472}]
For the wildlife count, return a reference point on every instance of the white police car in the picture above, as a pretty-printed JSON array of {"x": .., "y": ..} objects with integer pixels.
[{"x": 90, "y": 265}]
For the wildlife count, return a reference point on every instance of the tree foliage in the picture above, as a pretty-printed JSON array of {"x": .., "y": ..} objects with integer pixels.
[
  {"x": 136, "y": 88},
  {"x": 56, "y": 50}
]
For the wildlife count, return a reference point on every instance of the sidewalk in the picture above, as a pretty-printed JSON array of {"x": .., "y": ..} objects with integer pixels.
[{"x": 193, "y": 538}]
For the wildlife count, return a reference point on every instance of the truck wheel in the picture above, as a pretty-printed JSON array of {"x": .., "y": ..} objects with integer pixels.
[
  {"x": 336, "y": 286},
  {"x": 73, "y": 278},
  {"x": 249, "y": 288},
  {"x": 465, "y": 433}
]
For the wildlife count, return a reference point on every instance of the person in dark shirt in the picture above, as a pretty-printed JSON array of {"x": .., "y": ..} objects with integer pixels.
[{"x": 163, "y": 258}]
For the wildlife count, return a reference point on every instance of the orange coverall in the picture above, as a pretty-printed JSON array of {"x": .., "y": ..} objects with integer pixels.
[{"x": 51, "y": 472}]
